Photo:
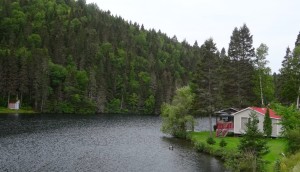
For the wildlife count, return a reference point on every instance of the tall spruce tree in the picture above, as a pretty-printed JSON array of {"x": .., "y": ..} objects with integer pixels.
[
  {"x": 252, "y": 146},
  {"x": 206, "y": 82},
  {"x": 289, "y": 80},
  {"x": 267, "y": 125},
  {"x": 240, "y": 52}
]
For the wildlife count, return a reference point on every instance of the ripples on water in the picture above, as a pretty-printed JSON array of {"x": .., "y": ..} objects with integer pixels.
[{"x": 94, "y": 143}]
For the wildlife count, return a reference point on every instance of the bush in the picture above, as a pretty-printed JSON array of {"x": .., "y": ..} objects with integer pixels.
[
  {"x": 293, "y": 138},
  {"x": 203, "y": 147},
  {"x": 210, "y": 141},
  {"x": 246, "y": 161},
  {"x": 223, "y": 143},
  {"x": 200, "y": 146},
  {"x": 291, "y": 163}
]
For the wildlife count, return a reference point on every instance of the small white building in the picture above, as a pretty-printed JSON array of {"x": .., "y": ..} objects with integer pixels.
[
  {"x": 241, "y": 118},
  {"x": 14, "y": 105}
]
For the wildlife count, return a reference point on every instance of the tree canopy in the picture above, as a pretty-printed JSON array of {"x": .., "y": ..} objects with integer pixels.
[{"x": 71, "y": 57}]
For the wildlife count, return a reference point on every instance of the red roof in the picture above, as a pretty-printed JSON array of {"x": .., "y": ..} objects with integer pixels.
[{"x": 264, "y": 110}]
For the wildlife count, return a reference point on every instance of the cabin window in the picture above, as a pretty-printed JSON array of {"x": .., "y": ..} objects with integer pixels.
[{"x": 244, "y": 121}]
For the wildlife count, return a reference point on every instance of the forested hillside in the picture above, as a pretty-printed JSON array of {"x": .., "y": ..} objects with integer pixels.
[
  {"x": 66, "y": 56},
  {"x": 69, "y": 56}
]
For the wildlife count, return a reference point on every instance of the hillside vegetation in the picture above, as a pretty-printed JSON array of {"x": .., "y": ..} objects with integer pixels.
[{"x": 66, "y": 56}]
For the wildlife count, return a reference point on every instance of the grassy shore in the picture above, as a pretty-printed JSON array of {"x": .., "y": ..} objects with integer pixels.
[
  {"x": 6, "y": 110},
  {"x": 199, "y": 140}
]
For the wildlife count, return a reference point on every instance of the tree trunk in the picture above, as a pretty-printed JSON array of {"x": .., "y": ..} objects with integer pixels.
[
  {"x": 21, "y": 100},
  {"x": 42, "y": 105},
  {"x": 210, "y": 125},
  {"x": 298, "y": 99},
  {"x": 122, "y": 99},
  {"x": 261, "y": 91},
  {"x": 8, "y": 99}
]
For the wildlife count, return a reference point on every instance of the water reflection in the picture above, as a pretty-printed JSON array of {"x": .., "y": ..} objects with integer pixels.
[{"x": 94, "y": 143}]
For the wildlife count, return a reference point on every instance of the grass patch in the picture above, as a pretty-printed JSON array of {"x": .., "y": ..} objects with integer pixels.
[
  {"x": 276, "y": 147},
  {"x": 6, "y": 110}
]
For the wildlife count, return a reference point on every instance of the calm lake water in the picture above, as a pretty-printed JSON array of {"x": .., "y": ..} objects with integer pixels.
[{"x": 108, "y": 143}]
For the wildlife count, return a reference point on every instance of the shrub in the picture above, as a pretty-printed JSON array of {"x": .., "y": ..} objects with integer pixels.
[
  {"x": 293, "y": 138},
  {"x": 291, "y": 163},
  {"x": 244, "y": 161},
  {"x": 223, "y": 143},
  {"x": 210, "y": 141},
  {"x": 200, "y": 146}
]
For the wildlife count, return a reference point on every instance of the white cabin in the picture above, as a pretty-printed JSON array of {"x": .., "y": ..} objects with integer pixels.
[
  {"x": 241, "y": 118},
  {"x": 14, "y": 105}
]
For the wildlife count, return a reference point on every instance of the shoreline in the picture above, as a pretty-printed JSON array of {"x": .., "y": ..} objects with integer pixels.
[
  {"x": 4, "y": 110},
  {"x": 198, "y": 139}
]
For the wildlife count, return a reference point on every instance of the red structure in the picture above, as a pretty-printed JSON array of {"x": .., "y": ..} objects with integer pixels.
[
  {"x": 224, "y": 121},
  {"x": 223, "y": 128}
]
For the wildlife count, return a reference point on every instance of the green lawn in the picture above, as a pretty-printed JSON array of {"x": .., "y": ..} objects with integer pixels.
[
  {"x": 276, "y": 146},
  {"x": 6, "y": 110}
]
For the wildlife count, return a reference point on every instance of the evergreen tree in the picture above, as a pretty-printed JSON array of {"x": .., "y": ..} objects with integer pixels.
[
  {"x": 289, "y": 79},
  {"x": 252, "y": 147},
  {"x": 267, "y": 125},
  {"x": 206, "y": 82},
  {"x": 223, "y": 53},
  {"x": 253, "y": 140},
  {"x": 297, "y": 43},
  {"x": 240, "y": 52},
  {"x": 112, "y": 64}
]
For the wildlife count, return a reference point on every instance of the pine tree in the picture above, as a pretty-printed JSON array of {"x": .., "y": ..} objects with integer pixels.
[
  {"x": 289, "y": 80},
  {"x": 297, "y": 43},
  {"x": 223, "y": 53},
  {"x": 252, "y": 140},
  {"x": 252, "y": 147},
  {"x": 206, "y": 83},
  {"x": 240, "y": 52},
  {"x": 267, "y": 125}
]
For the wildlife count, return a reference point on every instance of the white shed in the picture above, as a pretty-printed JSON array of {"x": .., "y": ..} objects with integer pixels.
[
  {"x": 14, "y": 105},
  {"x": 241, "y": 118}
]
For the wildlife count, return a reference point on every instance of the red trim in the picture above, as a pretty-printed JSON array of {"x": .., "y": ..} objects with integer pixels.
[{"x": 225, "y": 125}]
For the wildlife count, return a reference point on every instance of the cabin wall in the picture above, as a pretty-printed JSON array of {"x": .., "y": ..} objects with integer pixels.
[
  {"x": 238, "y": 121},
  {"x": 276, "y": 128},
  {"x": 241, "y": 118}
]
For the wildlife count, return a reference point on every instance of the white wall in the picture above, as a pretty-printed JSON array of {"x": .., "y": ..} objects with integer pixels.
[{"x": 276, "y": 129}]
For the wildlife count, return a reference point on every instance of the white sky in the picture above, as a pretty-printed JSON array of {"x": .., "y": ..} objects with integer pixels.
[{"x": 273, "y": 22}]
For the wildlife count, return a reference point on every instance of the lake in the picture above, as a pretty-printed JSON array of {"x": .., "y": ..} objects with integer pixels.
[{"x": 108, "y": 143}]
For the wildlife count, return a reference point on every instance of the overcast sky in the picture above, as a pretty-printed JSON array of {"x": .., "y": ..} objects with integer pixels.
[{"x": 273, "y": 22}]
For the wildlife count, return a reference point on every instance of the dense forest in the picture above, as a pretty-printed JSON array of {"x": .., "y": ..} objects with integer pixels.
[{"x": 66, "y": 56}]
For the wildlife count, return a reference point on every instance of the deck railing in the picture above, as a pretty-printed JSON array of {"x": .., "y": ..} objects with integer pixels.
[
  {"x": 223, "y": 128},
  {"x": 224, "y": 125}
]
